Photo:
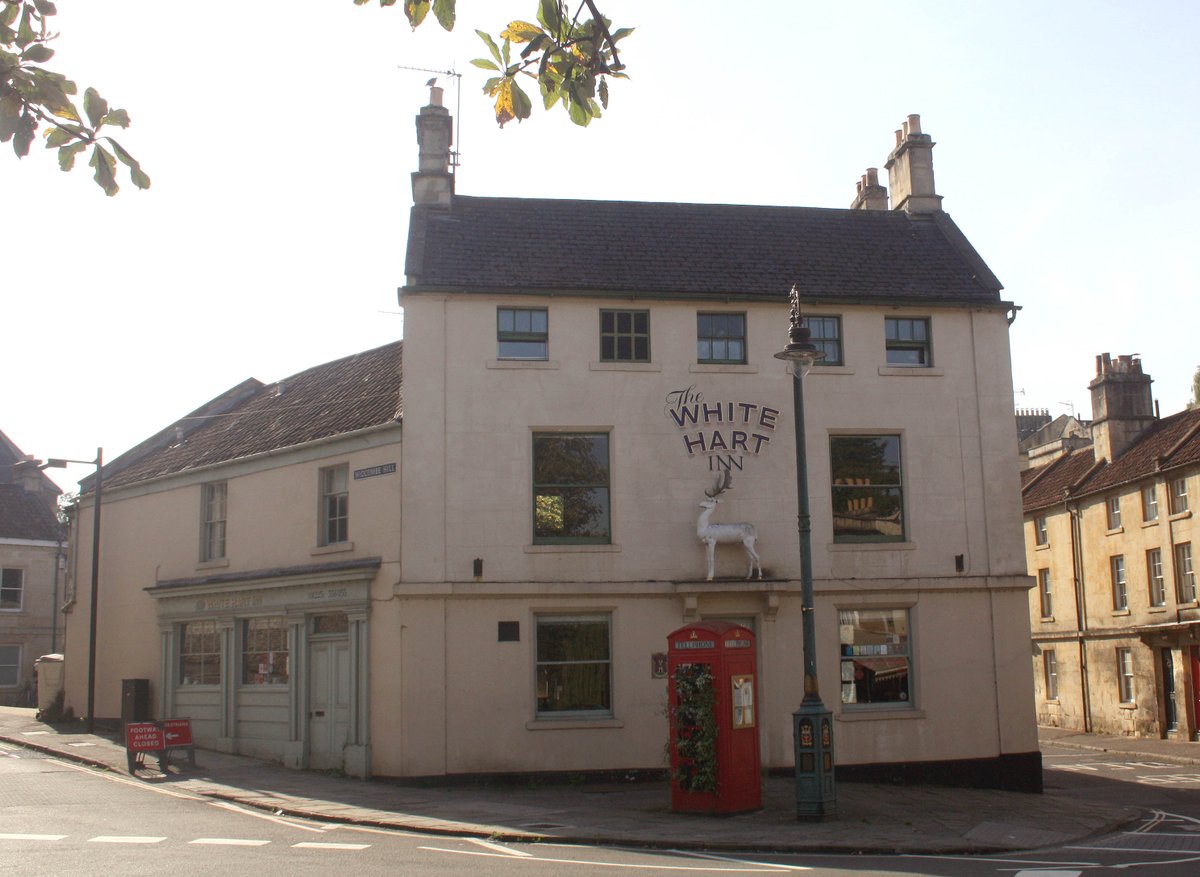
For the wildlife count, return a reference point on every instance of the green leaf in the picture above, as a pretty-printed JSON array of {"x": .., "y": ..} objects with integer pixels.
[
  {"x": 8, "y": 15},
  {"x": 120, "y": 118},
  {"x": 522, "y": 106},
  {"x": 105, "y": 165},
  {"x": 484, "y": 63},
  {"x": 25, "y": 33},
  {"x": 26, "y": 128},
  {"x": 38, "y": 53},
  {"x": 66, "y": 155},
  {"x": 443, "y": 10},
  {"x": 45, "y": 7},
  {"x": 10, "y": 115},
  {"x": 493, "y": 48},
  {"x": 550, "y": 15},
  {"x": 506, "y": 52},
  {"x": 416, "y": 10},
  {"x": 95, "y": 106},
  {"x": 59, "y": 136},
  {"x": 535, "y": 45},
  {"x": 620, "y": 33},
  {"x": 604, "y": 92},
  {"x": 135, "y": 168}
]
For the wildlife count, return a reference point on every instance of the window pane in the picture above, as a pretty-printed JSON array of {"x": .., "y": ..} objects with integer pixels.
[
  {"x": 264, "y": 651},
  {"x": 868, "y": 501},
  {"x": 11, "y": 588},
  {"x": 573, "y": 665},
  {"x": 570, "y": 490},
  {"x": 523, "y": 350},
  {"x": 876, "y": 656}
]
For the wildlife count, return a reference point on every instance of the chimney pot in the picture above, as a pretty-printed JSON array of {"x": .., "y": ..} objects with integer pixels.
[{"x": 914, "y": 124}]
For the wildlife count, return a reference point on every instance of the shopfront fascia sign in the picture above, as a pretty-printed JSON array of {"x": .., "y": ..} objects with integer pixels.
[{"x": 725, "y": 432}]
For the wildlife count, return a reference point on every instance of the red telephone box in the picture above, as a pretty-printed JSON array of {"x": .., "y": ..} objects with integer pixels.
[{"x": 712, "y": 682}]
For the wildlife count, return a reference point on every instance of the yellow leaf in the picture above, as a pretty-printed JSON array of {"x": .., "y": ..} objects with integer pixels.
[
  {"x": 520, "y": 31},
  {"x": 504, "y": 102}
]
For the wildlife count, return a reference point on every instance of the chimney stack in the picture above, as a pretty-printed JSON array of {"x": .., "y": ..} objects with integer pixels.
[
  {"x": 1122, "y": 405},
  {"x": 433, "y": 183},
  {"x": 910, "y": 170},
  {"x": 870, "y": 195}
]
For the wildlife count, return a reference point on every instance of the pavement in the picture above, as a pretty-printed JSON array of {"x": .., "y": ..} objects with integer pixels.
[{"x": 871, "y": 818}]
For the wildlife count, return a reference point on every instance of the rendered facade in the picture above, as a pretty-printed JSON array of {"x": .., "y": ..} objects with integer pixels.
[
  {"x": 32, "y": 573},
  {"x": 1109, "y": 534},
  {"x": 576, "y": 377}
]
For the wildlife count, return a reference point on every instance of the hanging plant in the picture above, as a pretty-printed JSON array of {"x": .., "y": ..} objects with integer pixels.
[{"x": 694, "y": 727}]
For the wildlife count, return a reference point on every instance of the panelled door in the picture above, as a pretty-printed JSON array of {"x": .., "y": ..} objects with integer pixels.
[{"x": 328, "y": 702}]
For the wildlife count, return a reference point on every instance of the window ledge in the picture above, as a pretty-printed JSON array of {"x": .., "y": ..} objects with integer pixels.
[
  {"x": 1153, "y": 523},
  {"x": 1115, "y": 531},
  {"x": 335, "y": 548},
  {"x": 572, "y": 724},
  {"x": 728, "y": 367},
  {"x": 1157, "y": 610},
  {"x": 572, "y": 549},
  {"x": 1127, "y": 706},
  {"x": 1179, "y": 516},
  {"x": 522, "y": 363},
  {"x": 1120, "y": 612},
  {"x": 1043, "y": 547},
  {"x": 1047, "y": 619},
  {"x": 918, "y": 371},
  {"x": 624, "y": 366},
  {"x": 871, "y": 546},
  {"x": 851, "y": 713},
  {"x": 219, "y": 563},
  {"x": 12, "y": 611}
]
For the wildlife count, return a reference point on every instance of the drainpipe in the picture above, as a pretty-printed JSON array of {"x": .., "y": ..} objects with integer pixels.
[{"x": 1080, "y": 612}]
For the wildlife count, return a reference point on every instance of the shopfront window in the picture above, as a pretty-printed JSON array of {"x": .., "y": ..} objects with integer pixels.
[
  {"x": 199, "y": 653},
  {"x": 264, "y": 651},
  {"x": 876, "y": 660},
  {"x": 867, "y": 491}
]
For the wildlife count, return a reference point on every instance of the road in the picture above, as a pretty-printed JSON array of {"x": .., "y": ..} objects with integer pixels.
[{"x": 60, "y": 818}]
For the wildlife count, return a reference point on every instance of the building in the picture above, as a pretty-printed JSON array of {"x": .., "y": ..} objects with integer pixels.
[
  {"x": 32, "y": 573},
  {"x": 577, "y": 376},
  {"x": 1109, "y": 537}
]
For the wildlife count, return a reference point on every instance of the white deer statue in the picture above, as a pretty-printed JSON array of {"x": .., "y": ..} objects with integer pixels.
[{"x": 711, "y": 534}]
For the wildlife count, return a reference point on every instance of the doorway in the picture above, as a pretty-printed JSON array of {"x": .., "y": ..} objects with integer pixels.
[
  {"x": 328, "y": 702},
  {"x": 1170, "y": 711}
]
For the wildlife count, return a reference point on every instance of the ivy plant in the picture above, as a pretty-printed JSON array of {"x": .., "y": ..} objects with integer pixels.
[{"x": 694, "y": 728}]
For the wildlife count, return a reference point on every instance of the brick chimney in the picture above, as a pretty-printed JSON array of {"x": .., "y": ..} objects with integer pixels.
[
  {"x": 870, "y": 195},
  {"x": 910, "y": 170},
  {"x": 433, "y": 183},
  {"x": 1122, "y": 406}
]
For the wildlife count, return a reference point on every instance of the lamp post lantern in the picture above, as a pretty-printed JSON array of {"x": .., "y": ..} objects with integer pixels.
[{"x": 812, "y": 723}]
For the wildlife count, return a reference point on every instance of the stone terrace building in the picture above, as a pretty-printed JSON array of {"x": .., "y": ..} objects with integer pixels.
[{"x": 1110, "y": 537}]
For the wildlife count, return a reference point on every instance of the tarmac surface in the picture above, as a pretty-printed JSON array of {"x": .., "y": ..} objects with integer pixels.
[{"x": 870, "y": 817}]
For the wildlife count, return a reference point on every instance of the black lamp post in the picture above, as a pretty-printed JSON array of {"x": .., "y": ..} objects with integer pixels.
[
  {"x": 812, "y": 723},
  {"x": 60, "y": 463}
]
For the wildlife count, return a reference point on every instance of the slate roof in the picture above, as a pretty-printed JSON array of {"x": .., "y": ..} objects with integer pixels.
[
  {"x": 339, "y": 397},
  {"x": 24, "y": 515},
  {"x": 1168, "y": 445},
  {"x": 493, "y": 245}
]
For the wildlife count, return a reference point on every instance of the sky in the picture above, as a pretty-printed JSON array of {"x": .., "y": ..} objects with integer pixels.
[{"x": 280, "y": 138}]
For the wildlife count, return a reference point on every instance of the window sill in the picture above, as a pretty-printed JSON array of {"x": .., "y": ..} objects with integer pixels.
[
  {"x": 912, "y": 371},
  {"x": 572, "y": 724},
  {"x": 726, "y": 367},
  {"x": 1127, "y": 706},
  {"x": 335, "y": 548},
  {"x": 1115, "y": 531},
  {"x": 219, "y": 563},
  {"x": 1153, "y": 523},
  {"x": 572, "y": 549},
  {"x": 871, "y": 546},
  {"x": 624, "y": 366},
  {"x": 1179, "y": 516},
  {"x": 1117, "y": 613},
  {"x": 852, "y": 713},
  {"x": 1157, "y": 610},
  {"x": 1043, "y": 547},
  {"x": 522, "y": 363},
  {"x": 1047, "y": 619}
]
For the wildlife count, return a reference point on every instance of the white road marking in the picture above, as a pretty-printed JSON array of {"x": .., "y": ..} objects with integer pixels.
[
  {"x": 124, "y": 839},
  {"x": 32, "y": 836},
  {"x": 1048, "y": 873},
  {"x": 499, "y": 848},
  {"x": 780, "y": 866},
  {"x": 329, "y": 846},
  {"x": 33, "y": 733},
  {"x": 117, "y": 778},
  {"x": 392, "y": 832},
  {"x": 83, "y": 743},
  {"x": 229, "y": 842},
  {"x": 579, "y": 862},
  {"x": 270, "y": 817}
]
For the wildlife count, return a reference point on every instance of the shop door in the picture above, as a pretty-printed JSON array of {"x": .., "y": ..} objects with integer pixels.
[
  {"x": 1170, "y": 712},
  {"x": 328, "y": 702}
]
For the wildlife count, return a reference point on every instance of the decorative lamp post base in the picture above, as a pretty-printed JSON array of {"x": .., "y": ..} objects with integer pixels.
[{"x": 812, "y": 733}]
